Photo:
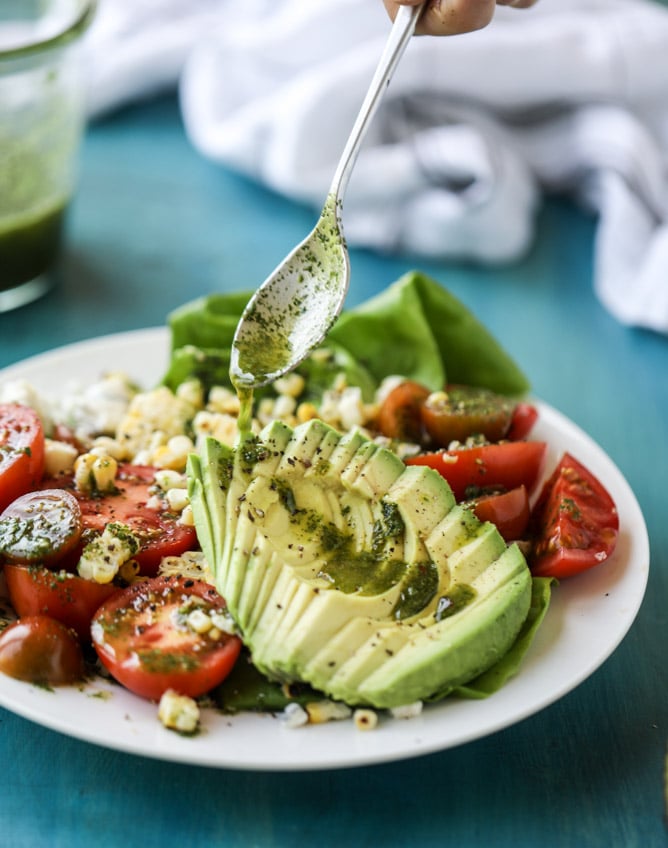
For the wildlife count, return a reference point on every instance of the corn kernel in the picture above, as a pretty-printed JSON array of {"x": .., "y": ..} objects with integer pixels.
[
  {"x": 320, "y": 712},
  {"x": 178, "y": 712},
  {"x": 199, "y": 621},
  {"x": 306, "y": 412},
  {"x": 365, "y": 719},
  {"x": 187, "y": 517},
  {"x": 292, "y": 385},
  {"x": 177, "y": 499},
  {"x": 59, "y": 457}
]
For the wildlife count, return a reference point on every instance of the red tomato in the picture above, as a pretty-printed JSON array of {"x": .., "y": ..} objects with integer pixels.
[
  {"x": 524, "y": 417},
  {"x": 35, "y": 590},
  {"x": 510, "y": 512},
  {"x": 399, "y": 416},
  {"x": 574, "y": 522},
  {"x": 159, "y": 531},
  {"x": 42, "y": 651},
  {"x": 21, "y": 451},
  {"x": 462, "y": 411},
  {"x": 142, "y": 637},
  {"x": 503, "y": 466},
  {"x": 42, "y": 526}
]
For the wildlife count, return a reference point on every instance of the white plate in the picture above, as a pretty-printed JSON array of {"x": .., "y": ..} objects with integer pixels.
[{"x": 588, "y": 617}]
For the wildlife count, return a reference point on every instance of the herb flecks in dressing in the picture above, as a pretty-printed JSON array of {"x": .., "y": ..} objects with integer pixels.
[{"x": 285, "y": 319}]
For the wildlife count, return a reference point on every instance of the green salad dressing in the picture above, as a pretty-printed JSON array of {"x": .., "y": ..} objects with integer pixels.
[{"x": 29, "y": 246}]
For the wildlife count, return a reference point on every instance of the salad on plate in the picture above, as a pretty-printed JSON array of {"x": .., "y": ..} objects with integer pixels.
[{"x": 384, "y": 535}]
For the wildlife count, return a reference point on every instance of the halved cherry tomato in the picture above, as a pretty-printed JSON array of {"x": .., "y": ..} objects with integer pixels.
[
  {"x": 574, "y": 523},
  {"x": 399, "y": 416},
  {"x": 35, "y": 590},
  {"x": 510, "y": 512},
  {"x": 42, "y": 651},
  {"x": 462, "y": 411},
  {"x": 524, "y": 417},
  {"x": 42, "y": 526},
  {"x": 159, "y": 531},
  {"x": 470, "y": 471},
  {"x": 143, "y": 637},
  {"x": 21, "y": 451}
]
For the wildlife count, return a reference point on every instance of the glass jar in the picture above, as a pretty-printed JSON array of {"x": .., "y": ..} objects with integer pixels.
[{"x": 41, "y": 119}]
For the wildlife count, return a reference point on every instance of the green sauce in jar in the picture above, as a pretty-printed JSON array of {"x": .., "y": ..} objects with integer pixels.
[{"x": 29, "y": 246}]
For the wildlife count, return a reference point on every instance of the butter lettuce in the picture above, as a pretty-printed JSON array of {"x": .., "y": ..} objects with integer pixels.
[{"x": 415, "y": 328}]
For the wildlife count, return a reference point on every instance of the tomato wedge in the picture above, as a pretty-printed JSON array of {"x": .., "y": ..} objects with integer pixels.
[
  {"x": 574, "y": 524},
  {"x": 159, "y": 531},
  {"x": 145, "y": 638},
  {"x": 470, "y": 471},
  {"x": 21, "y": 451},
  {"x": 509, "y": 511},
  {"x": 36, "y": 590}
]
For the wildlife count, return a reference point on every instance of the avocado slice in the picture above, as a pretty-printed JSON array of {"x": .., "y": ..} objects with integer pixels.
[{"x": 351, "y": 572}]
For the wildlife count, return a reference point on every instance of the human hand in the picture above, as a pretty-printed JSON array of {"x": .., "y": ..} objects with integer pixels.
[{"x": 448, "y": 17}]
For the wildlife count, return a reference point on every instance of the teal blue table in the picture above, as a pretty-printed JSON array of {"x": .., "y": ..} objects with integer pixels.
[{"x": 155, "y": 225}]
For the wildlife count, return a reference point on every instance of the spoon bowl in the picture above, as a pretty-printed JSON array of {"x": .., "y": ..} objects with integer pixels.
[
  {"x": 289, "y": 315},
  {"x": 296, "y": 306}
]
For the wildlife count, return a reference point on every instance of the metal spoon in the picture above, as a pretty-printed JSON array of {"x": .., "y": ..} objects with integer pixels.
[{"x": 294, "y": 309}]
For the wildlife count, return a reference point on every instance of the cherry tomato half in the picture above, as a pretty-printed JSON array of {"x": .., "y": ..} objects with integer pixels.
[
  {"x": 21, "y": 451},
  {"x": 509, "y": 511},
  {"x": 42, "y": 526},
  {"x": 42, "y": 651},
  {"x": 399, "y": 416},
  {"x": 143, "y": 637},
  {"x": 463, "y": 411},
  {"x": 35, "y": 590},
  {"x": 159, "y": 532},
  {"x": 574, "y": 523},
  {"x": 486, "y": 467}
]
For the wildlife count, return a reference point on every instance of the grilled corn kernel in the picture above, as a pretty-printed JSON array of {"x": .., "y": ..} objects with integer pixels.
[
  {"x": 306, "y": 411},
  {"x": 166, "y": 479},
  {"x": 192, "y": 392},
  {"x": 178, "y": 712},
  {"x": 223, "y": 400},
  {"x": 199, "y": 621},
  {"x": 365, "y": 719},
  {"x": 292, "y": 385},
  {"x": 93, "y": 472},
  {"x": 187, "y": 516},
  {"x": 59, "y": 457},
  {"x": 174, "y": 454},
  {"x": 320, "y": 712},
  {"x": 177, "y": 499},
  {"x": 103, "y": 557}
]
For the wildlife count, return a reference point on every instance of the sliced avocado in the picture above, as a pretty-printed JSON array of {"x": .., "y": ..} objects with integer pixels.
[{"x": 351, "y": 572}]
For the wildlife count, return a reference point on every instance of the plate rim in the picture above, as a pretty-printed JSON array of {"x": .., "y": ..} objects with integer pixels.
[{"x": 363, "y": 749}]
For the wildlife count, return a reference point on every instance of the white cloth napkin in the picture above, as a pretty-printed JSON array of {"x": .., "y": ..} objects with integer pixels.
[{"x": 570, "y": 96}]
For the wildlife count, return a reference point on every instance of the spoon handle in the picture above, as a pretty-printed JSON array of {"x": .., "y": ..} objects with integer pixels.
[{"x": 400, "y": 34}]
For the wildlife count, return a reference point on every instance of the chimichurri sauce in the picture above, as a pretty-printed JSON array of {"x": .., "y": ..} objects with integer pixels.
[{"x": 29, "y": 247}]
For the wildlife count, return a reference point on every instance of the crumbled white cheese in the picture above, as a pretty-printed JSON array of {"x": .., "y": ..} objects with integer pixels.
[
  {"x": 294, "y": 715},
  {"x": 407, "y": 710}
]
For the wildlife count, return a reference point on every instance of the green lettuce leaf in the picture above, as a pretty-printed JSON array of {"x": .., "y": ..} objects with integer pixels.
[{"x": 415, "y": 328}]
